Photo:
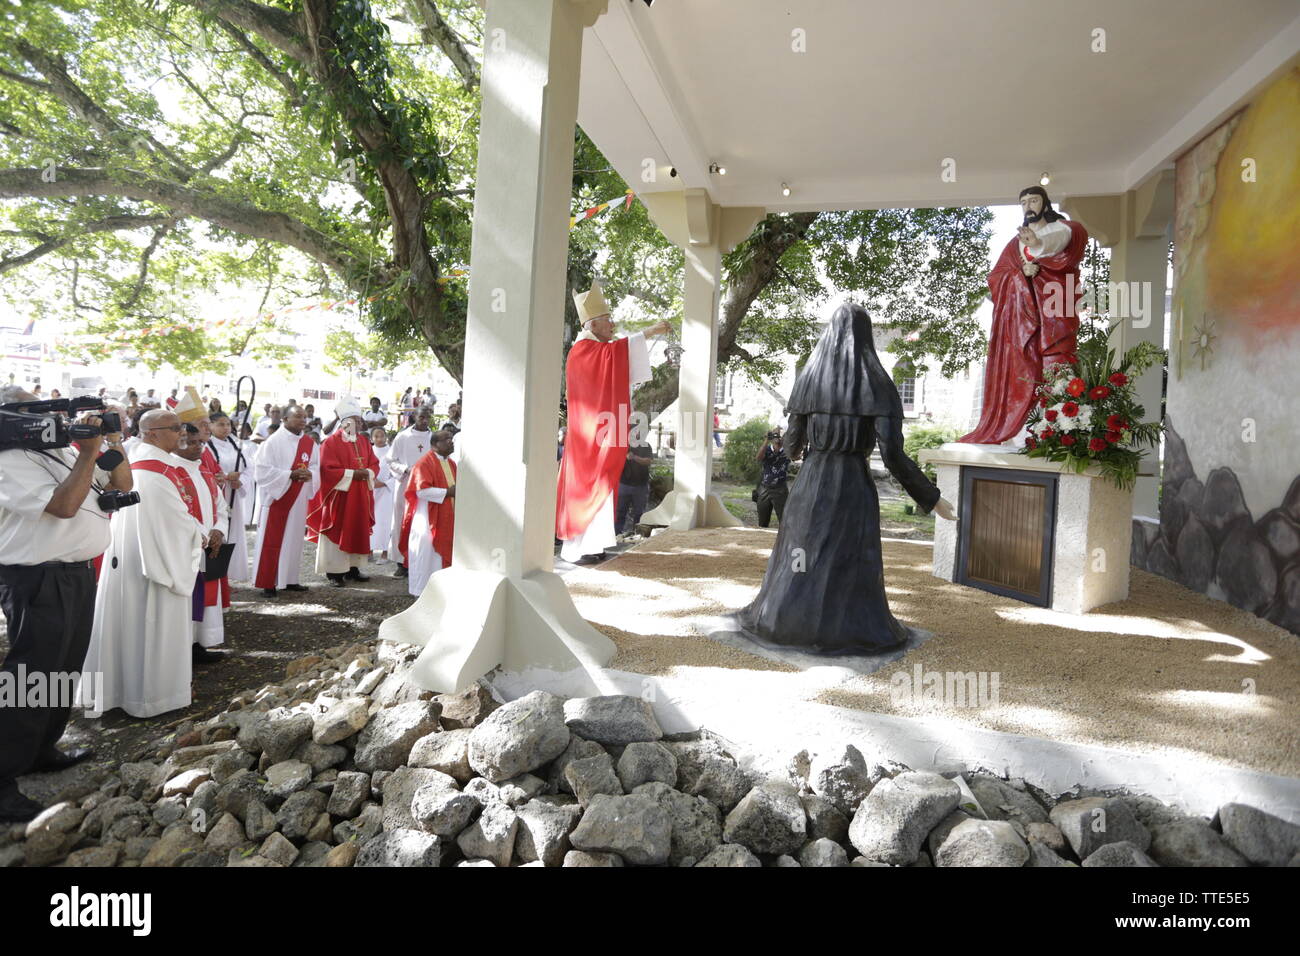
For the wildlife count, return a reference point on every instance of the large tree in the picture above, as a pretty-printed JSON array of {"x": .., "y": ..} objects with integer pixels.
[{"x": 161, "y": 148}]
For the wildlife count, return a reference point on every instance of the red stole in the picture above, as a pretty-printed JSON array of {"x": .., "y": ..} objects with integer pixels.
[
  {"x": 179, "y": 478},
  {"x": 428, "y": 473},
  {"x": 1034, "y": 324},
  {"x": 595, "y": 445},
  {"x": 346, "y": 518},
  {"x": 277, "y": 516}
]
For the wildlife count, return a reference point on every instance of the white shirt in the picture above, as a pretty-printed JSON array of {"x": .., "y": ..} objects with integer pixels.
[
  {"x": 1052, "y": 237},
  {"x": 28, "y": 534},
  {"x": 377, "y": 417}
]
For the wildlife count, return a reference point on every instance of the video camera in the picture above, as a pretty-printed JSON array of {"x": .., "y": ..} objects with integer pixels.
[{"x": 38, "y": 426}]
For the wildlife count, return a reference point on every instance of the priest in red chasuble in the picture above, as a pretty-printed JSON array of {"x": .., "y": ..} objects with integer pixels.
[
  {"x": 341, "y": 515},
  {"x": 1035, "y": 289},
  {"x": 599, "y": 376},
  {"x": 430, "y": 523}
]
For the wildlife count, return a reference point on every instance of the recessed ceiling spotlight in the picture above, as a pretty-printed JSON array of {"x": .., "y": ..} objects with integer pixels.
[
  {"x": 715, "y": 168},
  {"x": 1044, "y": 179},
  {"x": 785, "y": 190},
  {"x": 672, "y": 171}
]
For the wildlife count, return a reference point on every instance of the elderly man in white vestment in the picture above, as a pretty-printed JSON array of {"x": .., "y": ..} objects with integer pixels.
[
  {"x": 209, "y": 623},
  {"x": 140, "y": 640},
  {"x": 409, "y": 446},
  {"x": 288, "y": 475}
]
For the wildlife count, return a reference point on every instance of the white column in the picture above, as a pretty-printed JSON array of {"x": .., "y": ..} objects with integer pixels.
[
  {"x": 705, "y": 232},
  {"x": 500, "y": 602}
]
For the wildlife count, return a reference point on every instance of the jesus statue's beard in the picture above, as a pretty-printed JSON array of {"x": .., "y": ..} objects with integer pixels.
[{"x": 1033, "y": 217}]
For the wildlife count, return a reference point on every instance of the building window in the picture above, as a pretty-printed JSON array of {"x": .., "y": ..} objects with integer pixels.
[
  {"x": 907, "y": 392},
  {"x": 720, "y": 391}
]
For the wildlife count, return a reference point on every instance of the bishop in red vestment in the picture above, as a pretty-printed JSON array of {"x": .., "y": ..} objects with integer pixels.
[
  {"x": 430, "y": 523},
  {"x": 599, "y": 376},
  {"x": 341, "y": 515},
  {"x": 1034, "y": 287}
]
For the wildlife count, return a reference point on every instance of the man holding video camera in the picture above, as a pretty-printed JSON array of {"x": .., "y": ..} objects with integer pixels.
[
  {"x": 772, "y": 490},
  {"x": 53, "y": 524}
]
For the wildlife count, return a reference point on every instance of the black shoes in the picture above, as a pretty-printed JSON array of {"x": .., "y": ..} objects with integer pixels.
[
  {"x": 201, "y": 655},
  {"x": 401, "y": 571},
  {"x": 336, "y": 580},
  {"x": 354, "y": 574},
  {"x": 295, "y": 587},
  {"x": 268, "y": 592},
  {"x": 61, "y": 759},
  {"x": 14, "y": 807}
]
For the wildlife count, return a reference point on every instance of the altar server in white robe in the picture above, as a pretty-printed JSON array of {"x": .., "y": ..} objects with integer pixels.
[
  {"x": 236, "y": 477},
  {"x": 141, "y": 636},
  {"x": 408, "y": 447},
  {"x": 383, "y": 532},
  {"x": 200, "y": 463},
  {"x": 288, "y": 475}
]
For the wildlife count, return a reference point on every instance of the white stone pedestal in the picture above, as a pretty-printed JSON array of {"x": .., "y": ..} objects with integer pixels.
[{"x": 1090, "y": 553}]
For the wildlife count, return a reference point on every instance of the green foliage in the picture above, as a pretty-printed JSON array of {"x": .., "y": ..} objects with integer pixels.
[
  {"x": 920, "y": 436},
  {"x": 741, "y": 450}
]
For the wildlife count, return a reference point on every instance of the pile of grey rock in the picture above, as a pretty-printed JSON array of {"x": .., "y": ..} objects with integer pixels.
[{"x": 348, "y": 763}]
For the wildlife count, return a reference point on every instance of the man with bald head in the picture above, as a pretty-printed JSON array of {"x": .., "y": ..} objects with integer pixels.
[
  {"x": 287, "y": 470},
  {"x": 51, "y": 531},
  {"x": 140, "y": 642}
]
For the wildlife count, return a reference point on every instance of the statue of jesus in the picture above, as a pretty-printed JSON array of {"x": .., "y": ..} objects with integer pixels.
[{"x": 1034, "y": 287}]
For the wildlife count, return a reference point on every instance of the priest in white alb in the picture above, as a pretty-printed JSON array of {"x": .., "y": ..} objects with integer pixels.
[
  {"x": 409, "y": 446},
  {"x": 200, "y": 464},
  {"x": 141, "y": 636},
  {"x": 288, "y": 475}
]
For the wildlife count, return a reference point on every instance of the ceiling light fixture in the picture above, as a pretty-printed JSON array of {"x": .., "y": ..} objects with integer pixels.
[
  {"x": 715, "y": 168},
  {"x": 1044, "y": 179},
  {"x": 785, "y": 190}
]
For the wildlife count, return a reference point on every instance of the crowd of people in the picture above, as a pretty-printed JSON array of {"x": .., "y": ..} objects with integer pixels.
[{"x": 126, "y": 596}]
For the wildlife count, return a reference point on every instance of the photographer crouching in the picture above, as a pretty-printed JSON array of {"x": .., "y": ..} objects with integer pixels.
[{"x": 57, "y": 493}]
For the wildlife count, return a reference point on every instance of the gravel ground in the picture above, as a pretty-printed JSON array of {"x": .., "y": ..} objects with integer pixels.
[{"x": 262, "y": 636}]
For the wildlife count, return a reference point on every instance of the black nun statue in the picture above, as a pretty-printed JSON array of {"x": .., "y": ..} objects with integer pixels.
[{"x": 824, "y": 590}]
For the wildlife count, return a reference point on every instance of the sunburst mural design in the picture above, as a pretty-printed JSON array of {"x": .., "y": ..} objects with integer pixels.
[{"x": 1203, "y": 341}]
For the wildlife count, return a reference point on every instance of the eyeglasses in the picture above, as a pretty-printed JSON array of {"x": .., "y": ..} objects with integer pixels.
[{"x": 164, "y": 428}]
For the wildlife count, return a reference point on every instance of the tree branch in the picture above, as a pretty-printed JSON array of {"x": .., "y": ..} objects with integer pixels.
[
  {"x": 239, "y": 217},
  {"x": 434, "y": 29},
  {"x": 54, "y": 243}
]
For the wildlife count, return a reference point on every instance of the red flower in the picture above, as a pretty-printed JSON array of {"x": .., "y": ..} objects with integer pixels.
[
  {"x": 1112, "y": 437},
  {"x": 1118, "y": 379},
  {"x": 1047, "y": 433},
  {"x": 1044, "y": 401},
  {"x": 1050, "y": 414},
  {"x": 1077, "y": 387},
  {"x": 1116, "y": 423},
  {"x": 1067, "y": 440},
  {"x": 1070, "y": 409},
  {"x": 1096, "y": 444},
  {"x": 1031, "y": 443},
  {"x": 1098, "y": 393}
]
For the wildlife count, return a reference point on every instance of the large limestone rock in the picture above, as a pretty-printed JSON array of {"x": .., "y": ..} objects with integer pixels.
[
  {"x": 1001, "y": 801},
  {"x": 1258, "y": 836},
  {"x": 1093, "y": 822},
  {"x": 400, "y": 789},
  {"x": 341, "y": 721},
  {"x": 443, "y": 812},
  {"x": 592, "y": 775},
  {"x": 387, "y": 740},
  {"x": 1119, "y": 853},
  {"x": 544, "y": 828},
  {"x": 491, "y": 836},
  {"x": 696, "y": 823},
  {"x": 982, "y": 843},
  {"x": 466, "y": 709},
  {"x": 614, "y": 720},
  {"x": 822, "y": 852},
  {"x": 770, "y": 820},
  {"x": 646, "y": 762},
  {"x": 447, "y": 751},
  {"x": 634, "y": 826},
  {"x": 400, "y": 848},
  {"x": 519, "y": 737},
  {"x": 841, "y": 776},
  {"x": 1191, "y": 843},
  {"x": 897, "y": 815},
  {"x": 730, "y": 854}
]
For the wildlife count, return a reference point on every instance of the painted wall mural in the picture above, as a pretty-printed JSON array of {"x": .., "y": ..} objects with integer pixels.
[{"x": 1230, "y": 498}]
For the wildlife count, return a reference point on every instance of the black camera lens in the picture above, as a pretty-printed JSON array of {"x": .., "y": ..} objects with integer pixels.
[
  {"x": 110, "y": 422},
  {"x": 111, "y": 501}
]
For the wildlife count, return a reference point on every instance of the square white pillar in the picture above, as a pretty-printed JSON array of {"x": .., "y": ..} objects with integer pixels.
[{"x": 500, "y": 601}]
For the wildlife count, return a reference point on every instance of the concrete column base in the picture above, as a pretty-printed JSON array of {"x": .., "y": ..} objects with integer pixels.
[
  {"x": 469, "y": 622},
  {"x": 680, "y": 511}
]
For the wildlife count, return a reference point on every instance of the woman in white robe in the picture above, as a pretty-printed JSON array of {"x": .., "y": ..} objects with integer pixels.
[
  {"x": 249, "y": 477},
  {"x": 381, "y": 534},
  {"x": 237, "y": 470}
]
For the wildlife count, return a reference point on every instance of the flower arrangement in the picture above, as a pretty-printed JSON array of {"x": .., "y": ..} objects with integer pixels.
[{"x": 1087, "y": 411}]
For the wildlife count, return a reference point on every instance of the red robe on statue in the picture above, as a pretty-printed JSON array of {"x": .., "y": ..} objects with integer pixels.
[
  {"x": 345, "y": 517},
  {"x": 595, "y": 444},
  {"x": 428, "y": 473},
  {"x": 1034, "y": 325}
]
